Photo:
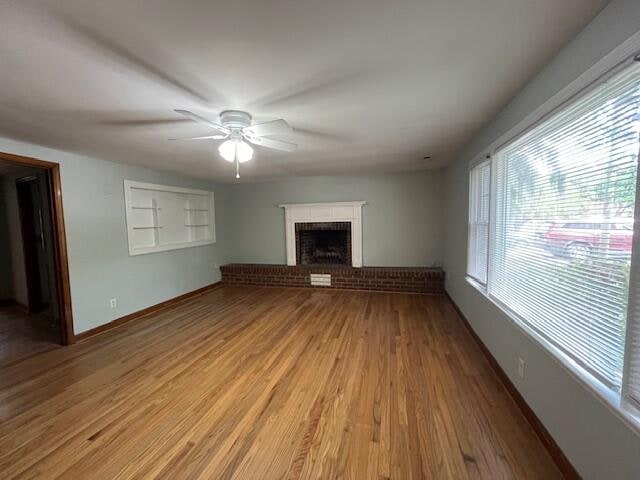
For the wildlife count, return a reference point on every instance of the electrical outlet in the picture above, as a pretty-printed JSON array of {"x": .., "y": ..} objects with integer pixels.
[
  {"x": 521, "y": 365},
  {"x": 113, "y": 303}
]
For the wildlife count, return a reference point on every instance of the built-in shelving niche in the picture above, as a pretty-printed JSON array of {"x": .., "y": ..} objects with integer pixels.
[{"x": 162, "y": 217}]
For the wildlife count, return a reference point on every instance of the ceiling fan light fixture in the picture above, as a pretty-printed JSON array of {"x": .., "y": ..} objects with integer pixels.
[
  {"x": 230, "y": 148},
  {"x": 244, "y": 152},
  {"x": 227, "y": 150},
  {"x": 238, "y": 132}
]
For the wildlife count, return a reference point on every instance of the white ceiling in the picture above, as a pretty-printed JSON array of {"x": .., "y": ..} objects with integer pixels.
[{"x": 370, "y": 85}]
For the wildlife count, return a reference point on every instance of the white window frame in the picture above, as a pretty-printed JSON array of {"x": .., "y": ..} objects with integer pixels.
[
  {"x": 631, "y": 401},
  {"x": 614, "y": 400},
  {"x": 473, "y": 222}
]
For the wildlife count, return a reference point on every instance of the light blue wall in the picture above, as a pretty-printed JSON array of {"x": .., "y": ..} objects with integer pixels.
[
  {"x": 100, "y": 267},
  {"x": 596, "y": 441},
  {"x": 402, "y": 226},
  {"x": 401, "y": 222}
]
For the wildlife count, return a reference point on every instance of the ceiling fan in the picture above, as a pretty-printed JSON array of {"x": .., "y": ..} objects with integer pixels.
[{"x": 236, "y": 130}]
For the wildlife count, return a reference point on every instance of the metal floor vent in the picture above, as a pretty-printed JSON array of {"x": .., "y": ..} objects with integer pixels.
[{"x": 320, "y": 279}]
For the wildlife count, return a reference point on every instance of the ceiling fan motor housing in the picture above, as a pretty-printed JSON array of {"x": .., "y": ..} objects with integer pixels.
[
  {"x": 234, "y": 119},
  {"x": 237, "y": 132}
]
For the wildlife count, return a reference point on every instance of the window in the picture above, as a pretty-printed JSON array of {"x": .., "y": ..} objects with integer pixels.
[
  {"x": 631, "y": 387},
  {"x": 479, "y": 191},
  {"x": 561, "y": 232}
]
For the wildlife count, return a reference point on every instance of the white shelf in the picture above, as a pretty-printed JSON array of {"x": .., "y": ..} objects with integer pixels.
[
  {"x": 163, "y": 217},
  {"x": 136, "y": 207}
]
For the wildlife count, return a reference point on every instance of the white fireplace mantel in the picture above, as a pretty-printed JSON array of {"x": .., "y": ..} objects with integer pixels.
[{"x": 324, "y": 212}]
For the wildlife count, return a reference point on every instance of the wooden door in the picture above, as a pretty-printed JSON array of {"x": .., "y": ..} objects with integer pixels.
[{"x": 33, "y": 242}]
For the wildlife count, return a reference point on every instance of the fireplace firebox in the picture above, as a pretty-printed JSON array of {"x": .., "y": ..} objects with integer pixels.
[{"x": 323, "y": 243}]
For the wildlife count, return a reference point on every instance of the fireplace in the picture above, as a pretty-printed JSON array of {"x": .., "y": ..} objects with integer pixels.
[
  {"x": 323, "y": 243},
  {"x": 338, "y": 216}
]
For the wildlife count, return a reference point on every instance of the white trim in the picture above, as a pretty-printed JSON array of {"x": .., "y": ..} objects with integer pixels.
[
  {"x": 164, "y": 188},
  {"x": 472, "y": 226},
  {"x": 478, "y": 159},
  {"x": 632, "y": 306},
  {"x": 324, "y": 212},
  {"x": 615, "y": 401},
  {"x": 188, "y": 213},
  {"x": 322, "y": 204},
  {"x": 611, "y": 399}
]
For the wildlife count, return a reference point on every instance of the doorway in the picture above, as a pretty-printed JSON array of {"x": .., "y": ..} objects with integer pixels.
[
  {"x": 36, "y": 244},
  {"x": 35, "y": 301}
]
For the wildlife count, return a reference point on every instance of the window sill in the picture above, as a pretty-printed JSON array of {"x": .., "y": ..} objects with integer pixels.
[
  {"x": 477, "y": 285},
  {"x": 611, "y": 399}
]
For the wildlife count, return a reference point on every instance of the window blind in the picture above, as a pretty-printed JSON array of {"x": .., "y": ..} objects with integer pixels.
[
  {"x": 562, "y": 236},
  {"x": 479, "y": 195},
  {"x": 631, "y": 382}
]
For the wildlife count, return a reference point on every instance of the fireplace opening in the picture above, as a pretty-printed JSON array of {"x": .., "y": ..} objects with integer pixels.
[{"x": 323, "y": 243}]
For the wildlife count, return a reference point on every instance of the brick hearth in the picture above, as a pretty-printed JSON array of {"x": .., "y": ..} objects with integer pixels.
[{"x": 391, "y": 279}]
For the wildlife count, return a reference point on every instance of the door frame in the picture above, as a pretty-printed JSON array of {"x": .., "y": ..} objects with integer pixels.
[{"x": 61, "y": 260}]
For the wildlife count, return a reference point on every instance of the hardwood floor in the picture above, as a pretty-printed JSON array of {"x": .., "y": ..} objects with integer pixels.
[
  {"x": 22, "y": 335},
  {"x": 266, "y": 383}
]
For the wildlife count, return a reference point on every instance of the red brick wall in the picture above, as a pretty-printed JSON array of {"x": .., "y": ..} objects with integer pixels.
[{"x": 390, "y": 279}]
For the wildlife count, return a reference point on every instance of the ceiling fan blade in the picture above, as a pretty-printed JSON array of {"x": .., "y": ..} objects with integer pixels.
[
  {"x": 205, "y": 137},
  {"x": 199, "y": 119},
  {"x": 319, "y": 135},
  {"x": 121, "y": 54},
  {"x": 274, "y": 127},
  {"x": 271, "y": 143},
  {"x": 317, "y": 88},
  {"x": 143, "y": 122}
]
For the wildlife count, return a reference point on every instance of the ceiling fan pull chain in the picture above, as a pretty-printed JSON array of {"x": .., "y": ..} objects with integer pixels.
[{"x": 237, "y": 166}]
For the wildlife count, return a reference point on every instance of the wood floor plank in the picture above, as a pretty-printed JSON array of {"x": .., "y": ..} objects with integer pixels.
[{"x": 249, "y": 382}]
